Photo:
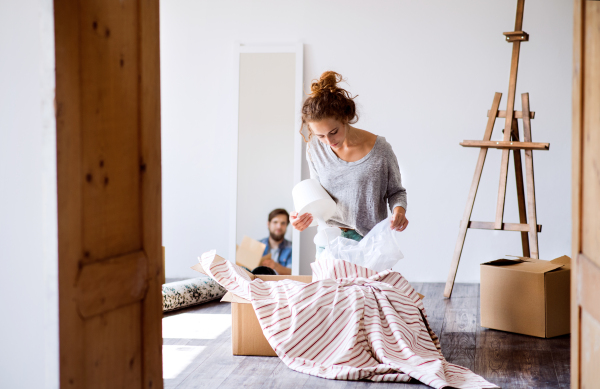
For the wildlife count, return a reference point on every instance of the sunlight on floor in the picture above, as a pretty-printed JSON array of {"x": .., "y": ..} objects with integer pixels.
[
  {"x": 195, "y": 326},
  {"x": 177, "y": 358}
]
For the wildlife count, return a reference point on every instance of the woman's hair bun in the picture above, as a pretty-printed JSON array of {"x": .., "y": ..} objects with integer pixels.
[
  {"x": 327, "y": 100},
  {"x": 326, "y": 83}
]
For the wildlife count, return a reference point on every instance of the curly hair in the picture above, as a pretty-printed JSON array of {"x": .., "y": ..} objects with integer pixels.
[{"x": 327, "y": 100}]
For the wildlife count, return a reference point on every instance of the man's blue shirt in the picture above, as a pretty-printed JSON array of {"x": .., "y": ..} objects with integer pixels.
[{"x": 285, "y": 251}]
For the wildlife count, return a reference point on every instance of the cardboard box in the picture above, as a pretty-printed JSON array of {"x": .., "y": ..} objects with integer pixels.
[
  {"x": 247, "y": 337},
  {"x": 527, "y": 296}
]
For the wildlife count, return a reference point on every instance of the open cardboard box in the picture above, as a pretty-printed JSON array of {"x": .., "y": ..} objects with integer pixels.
[
  {"x": 527, "y": 296},
  {"x": 247, "y": 337}
]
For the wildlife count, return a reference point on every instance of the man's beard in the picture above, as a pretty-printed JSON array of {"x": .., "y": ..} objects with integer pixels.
[{"x": 276, "y": 237}]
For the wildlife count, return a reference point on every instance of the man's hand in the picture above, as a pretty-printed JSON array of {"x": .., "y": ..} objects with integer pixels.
[
  {"x": 399, "y": 221},
  {"x": 282, "y": 270},
  {"x": 268, "y": 262},
  {"x": 301, "y": 222}
]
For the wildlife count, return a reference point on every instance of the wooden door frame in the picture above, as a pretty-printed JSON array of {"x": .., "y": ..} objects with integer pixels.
[
  {"x": 146, "y": 264},
  {"x": 585, "y": 272},
  {"x": 576, "y": 184}
]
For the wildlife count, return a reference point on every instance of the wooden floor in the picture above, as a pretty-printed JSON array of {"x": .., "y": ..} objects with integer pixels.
[{"x": 197, "y": 350}]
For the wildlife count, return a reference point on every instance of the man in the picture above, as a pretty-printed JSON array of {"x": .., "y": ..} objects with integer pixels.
[{"x": 279, "y": 247}]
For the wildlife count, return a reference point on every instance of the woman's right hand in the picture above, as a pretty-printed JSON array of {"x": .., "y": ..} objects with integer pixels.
[{"x": 301, "y": 222}]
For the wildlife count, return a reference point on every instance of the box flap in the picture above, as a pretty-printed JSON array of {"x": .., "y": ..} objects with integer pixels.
[
  {"x": 524, "y": 259},
  {"x": 198, "y": 267},
  {"x": 528, "y": 265},
  {"x": 234, "y": 298},
  {"x": 539, "y": 267},
  {"x": 249, "y": 253},
  {"x": 564, "y": 260}
]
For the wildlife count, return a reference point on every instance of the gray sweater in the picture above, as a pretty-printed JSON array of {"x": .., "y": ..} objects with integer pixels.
[{"x": 360, "y": 189}]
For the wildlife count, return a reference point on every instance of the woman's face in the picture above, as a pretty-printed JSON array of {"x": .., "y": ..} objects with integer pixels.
[{"x": 330, "y": 131}]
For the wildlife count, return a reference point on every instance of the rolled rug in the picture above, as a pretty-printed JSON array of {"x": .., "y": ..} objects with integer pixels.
[{"x": 181, "y": 294}]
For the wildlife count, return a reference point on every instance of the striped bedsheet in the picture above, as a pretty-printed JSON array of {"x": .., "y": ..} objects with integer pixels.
[{"x": 350, "y": 323}]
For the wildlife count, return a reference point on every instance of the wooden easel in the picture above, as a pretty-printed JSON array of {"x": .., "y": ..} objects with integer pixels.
[{"x": 527, "y": 225}]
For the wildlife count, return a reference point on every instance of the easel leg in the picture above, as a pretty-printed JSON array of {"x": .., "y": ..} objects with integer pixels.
[
  {"x": 464, "y": 224},
  {"x": 502, "y": 189},
  {"x": 520, "y": 189},
  {"x": 532, "y": 220}
]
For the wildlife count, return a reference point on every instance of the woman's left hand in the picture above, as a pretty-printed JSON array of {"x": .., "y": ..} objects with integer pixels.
[{"x": 399, "y": 221}]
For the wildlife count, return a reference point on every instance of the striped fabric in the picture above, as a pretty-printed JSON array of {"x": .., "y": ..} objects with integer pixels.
[{"x": 350, "y": 323}]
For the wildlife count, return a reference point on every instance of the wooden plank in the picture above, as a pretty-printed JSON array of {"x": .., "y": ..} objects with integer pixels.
[
  {"x": 106, "y": 285},
  {"x": 514, "y": 33},
  {"x": 69, "y": 183},
  {"x": 505, "y": 226},
  {"x": 502, "y": 188},
  {"x": 519, "y": 17},
  {"x": 508, "y": 368},
  {"x": 461, "y": 312},
  {"x": 590, "y": 351},
  {"x": 506, "y": 145},
  {"x": 208, "y": 349},
  {"x": 162, "y": 275},
  {"x": 284, "y": 377},
  {"x": 213, "y": 371},
  {"x": 110, "y": 129},
  {"x": 561, "y": 357},
  {"x": 462, "y": 234},
  {"x": 576, "y": 144},
  {"x": 590, "y": 218},
  {"x": 413, "y": 384},
  {"x": 520, "y": 189},
  {"x": 113, "y": 349},
  {"x": 517, "y": 114},
  {"x": 251, "y": 372},
  {"x": 508, "y": 123},
  {"x": 435, "y": 305},
  {"x": 514, "y": 342},
  {"x": 587, "y": 123},
  {"x": 530, "y": 181},
  {"x": 588, "y": 286},
  {"x": 523, "y": 37},
  {"x": 459, "y": 348},
  {"x": 149, "y": 167}
]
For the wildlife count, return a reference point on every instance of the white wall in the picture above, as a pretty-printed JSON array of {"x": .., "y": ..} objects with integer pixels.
[
  {"x": 28, "y": 223},
  {"x": 425, "y": 73}
]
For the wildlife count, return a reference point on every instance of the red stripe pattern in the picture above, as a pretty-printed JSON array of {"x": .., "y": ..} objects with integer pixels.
[{"x": 350, "y": 323}]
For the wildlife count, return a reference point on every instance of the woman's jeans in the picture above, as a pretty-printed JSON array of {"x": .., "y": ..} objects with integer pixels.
[{"x": 350, "y": 234}]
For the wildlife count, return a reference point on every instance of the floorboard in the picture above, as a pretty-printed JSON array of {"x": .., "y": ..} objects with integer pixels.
[{"x": 201, "y": 356}]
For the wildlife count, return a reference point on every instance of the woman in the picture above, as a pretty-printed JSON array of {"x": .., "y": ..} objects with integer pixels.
[{"x": 357, "y": 168}]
